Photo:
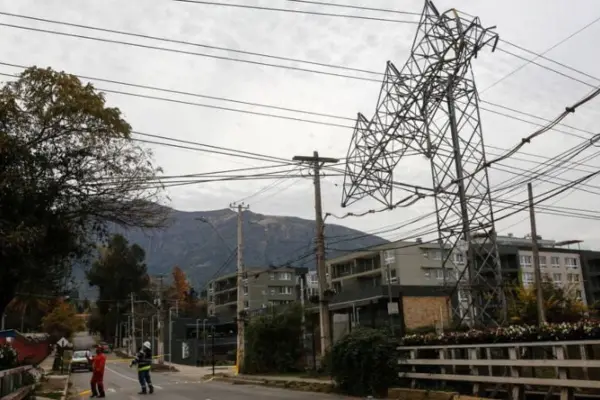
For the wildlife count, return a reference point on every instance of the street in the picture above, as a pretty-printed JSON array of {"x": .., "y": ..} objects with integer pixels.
[{"x": 121, "y": 383}]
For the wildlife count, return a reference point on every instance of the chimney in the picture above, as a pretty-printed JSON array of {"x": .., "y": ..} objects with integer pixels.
[{"x": 419, "y": 240}]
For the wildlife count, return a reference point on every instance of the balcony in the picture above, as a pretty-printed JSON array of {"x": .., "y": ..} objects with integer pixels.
[{"x": 357, "y": 267}]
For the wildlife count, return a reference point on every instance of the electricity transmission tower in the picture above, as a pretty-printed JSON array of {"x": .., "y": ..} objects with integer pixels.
[{"x": 431, "y": 107}]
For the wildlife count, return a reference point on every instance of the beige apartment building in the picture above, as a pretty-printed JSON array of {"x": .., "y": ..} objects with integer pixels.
[{"x": 263, "y": 287}]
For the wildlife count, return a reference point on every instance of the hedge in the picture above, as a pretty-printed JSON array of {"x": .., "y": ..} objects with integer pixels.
[
  {"x": 8, "y": 357},
  {"x": 363, "y": 363},
  {"x": 582, "y": 330}
]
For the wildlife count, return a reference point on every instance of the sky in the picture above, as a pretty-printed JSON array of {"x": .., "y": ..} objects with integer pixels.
[{"x": 535, "y": 25}]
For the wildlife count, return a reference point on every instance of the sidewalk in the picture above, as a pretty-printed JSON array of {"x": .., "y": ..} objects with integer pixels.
[{"x": 190, "y": 370}]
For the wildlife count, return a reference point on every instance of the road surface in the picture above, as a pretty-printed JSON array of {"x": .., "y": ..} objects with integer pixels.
[{"x": 121, "y": 383}]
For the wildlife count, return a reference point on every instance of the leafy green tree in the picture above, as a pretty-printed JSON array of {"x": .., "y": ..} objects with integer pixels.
[
  {"x": 68, "y": 167},
  {"x": 119, "y": 271},
  {"x": 364, "y": 363},
  {"x": 274, "y": 342}
]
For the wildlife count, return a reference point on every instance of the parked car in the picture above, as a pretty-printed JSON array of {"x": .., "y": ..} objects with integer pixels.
[{"x": 80, "y": 360}]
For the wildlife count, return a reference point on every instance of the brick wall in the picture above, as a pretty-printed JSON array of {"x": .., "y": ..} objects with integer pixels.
[{"x": 425, "y": 311}]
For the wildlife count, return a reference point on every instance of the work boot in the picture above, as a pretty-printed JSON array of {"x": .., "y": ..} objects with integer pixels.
[
  {"x": 151, "y": 389},
  {"x": 143, "y": 391}
]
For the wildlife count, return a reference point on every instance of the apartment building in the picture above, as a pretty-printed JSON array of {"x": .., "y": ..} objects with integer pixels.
[
  {"x": 263, "y": 287},
  {"x": 560, "y": 265}
]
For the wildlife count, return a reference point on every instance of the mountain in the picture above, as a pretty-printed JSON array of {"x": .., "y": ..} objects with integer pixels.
[{"x": 201, "y": 249}]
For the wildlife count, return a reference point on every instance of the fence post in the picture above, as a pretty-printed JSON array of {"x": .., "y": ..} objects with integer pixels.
[
  {"x": 515, "y": 391},
  {"x": 413, "y": 355},
  {"x": 565, "y": 393},
  {"x": 474, "y": 370}
]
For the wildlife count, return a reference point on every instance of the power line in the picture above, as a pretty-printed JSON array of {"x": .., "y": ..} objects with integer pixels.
[
  {"x": 249, "y": 7},
  {"x": 322, "y": 3},
  {"x": 192, "y": 53},
  {"x": 542, "y": 56}
]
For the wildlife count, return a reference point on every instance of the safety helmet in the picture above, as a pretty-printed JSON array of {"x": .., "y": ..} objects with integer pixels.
[{"x": 147, "y": 345}]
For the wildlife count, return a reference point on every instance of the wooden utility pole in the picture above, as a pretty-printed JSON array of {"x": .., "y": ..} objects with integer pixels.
[
  {"x": 324, "y": 322},
  {"x": 241, "y": 340},
  {"x": 536, "y": 260}
]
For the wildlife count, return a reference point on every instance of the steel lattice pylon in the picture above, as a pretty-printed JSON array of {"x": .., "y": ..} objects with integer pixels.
[{"x": 431, "y": 107}]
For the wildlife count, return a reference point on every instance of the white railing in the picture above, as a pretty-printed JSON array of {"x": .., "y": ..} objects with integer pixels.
[
  {"x": 12, "y": 383},
  {"x": 568, "y": 368}
]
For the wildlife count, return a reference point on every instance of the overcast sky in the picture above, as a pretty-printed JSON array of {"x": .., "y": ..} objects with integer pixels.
[{"x": 363, "y": 44}]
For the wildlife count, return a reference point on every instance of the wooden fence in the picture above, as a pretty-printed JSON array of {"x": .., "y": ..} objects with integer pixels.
[
  {"x": 13, "y": 384},
  {"x": 566, "y": 369}
]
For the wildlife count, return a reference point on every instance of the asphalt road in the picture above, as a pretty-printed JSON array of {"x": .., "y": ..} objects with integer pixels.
[{"x": 121, "y": 383}]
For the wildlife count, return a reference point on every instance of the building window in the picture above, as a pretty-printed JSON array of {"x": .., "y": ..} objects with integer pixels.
[
  {"x": 459, "y": 258},
  {"x": 578, "y": 295},
  {"x": 439, "y": 274},
  {"x": 435, "y": 255},
  {"x": 571, "y": 262},
  {"x": 389, "y": 257},
  {"x": 245, "y": 290},
  {"x": 555, "y": 261},
  {"x": 246, "y": 304},
  {"x": 272, "y": 276},
  {"x": 543, "y": 262},
  {"x": 525, "y": 261},
  {"x": 557, "y": 278},
  {"x": 528, "y": 278},
  {"x": 285, "y": 276},
  {"x": 575, "y": 277},
  {"x": 570, "y": 277},
  {"x": 427, "y": 273}
]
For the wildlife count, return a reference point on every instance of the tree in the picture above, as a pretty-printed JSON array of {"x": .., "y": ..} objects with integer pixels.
[
  {"x": 181, "y": 285},
  {"x": 68, "y": 169},
  {"x": 62, "y": 321},
  {"x": 559, "y": 305},
  {"x": 182, "y": 292},
  {"x": 118, "y": 272}
]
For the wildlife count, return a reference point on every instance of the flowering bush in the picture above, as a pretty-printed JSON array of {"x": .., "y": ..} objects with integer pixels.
[
  {"x": 581, "y": 330},
  {"x": 8, "y": 357}
]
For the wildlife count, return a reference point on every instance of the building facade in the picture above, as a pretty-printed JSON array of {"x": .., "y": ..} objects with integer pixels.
[
  {"x": 559, "y": 265},
  {"x": 263, "y": 287}
]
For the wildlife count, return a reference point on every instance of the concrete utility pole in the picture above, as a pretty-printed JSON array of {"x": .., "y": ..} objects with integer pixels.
[
  {"x": 536, "y": 260},
  {"x": 133, "y": 348},
  {"x": 160, "y": 323},
  {"x": 324, "y": 321},
  {"x": 241, "y": 340}
]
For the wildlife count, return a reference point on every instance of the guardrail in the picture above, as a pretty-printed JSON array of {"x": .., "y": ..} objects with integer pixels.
[
  {"x": 564, "y": 368},
  {"x": 13, "y": 383}
]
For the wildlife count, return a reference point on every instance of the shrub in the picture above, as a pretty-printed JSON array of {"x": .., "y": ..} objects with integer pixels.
[
  {"x": 582, "y": 330},
  {"x": 8, "y": 357},
  {"x": 364, "y": 363},
  {"x": 274, "y": 342}
]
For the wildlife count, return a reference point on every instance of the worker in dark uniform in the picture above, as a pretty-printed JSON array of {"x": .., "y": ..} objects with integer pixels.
[{"x": 143, "y": 360}]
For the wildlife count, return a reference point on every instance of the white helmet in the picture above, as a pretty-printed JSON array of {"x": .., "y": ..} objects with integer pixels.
[{"x": 147, "y": 345}]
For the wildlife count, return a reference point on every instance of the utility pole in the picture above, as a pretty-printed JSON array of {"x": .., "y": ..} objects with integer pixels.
[
  {"x": 160, "y": 323},
  {"x": 324, "y": 322},
  {"x": 133, "y": 347},
  {"x": 536, "y": 260},
  {"x": 241, "y": 339}
]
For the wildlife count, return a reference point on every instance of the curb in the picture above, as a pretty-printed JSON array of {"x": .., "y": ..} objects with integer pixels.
[
  {"x": 299, "y": 386},
  {"x": 67, "y": 381}
]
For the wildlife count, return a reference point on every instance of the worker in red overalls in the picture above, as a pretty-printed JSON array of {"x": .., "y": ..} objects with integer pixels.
[{"x": 97, "y": 382}]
